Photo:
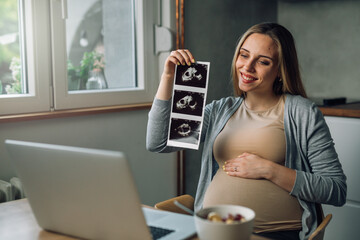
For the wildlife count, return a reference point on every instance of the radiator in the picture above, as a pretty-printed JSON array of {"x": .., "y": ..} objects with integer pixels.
[{"x": 11, "y": 190}]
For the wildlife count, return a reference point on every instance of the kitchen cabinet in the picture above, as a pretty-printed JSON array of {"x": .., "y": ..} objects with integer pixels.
[{"x": 346, "y": 134}]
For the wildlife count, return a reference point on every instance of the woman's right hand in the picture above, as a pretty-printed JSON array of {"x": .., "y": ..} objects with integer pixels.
[{"x": 177, "y": 57}]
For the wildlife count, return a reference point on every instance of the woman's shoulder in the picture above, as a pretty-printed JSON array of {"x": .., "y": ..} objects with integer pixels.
[
  {"x": 300, "y": 107},
  {"x": 297, "y": 101}
]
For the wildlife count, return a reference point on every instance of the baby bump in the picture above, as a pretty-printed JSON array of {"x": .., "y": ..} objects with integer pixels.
[{"x": 271, "y": 203}]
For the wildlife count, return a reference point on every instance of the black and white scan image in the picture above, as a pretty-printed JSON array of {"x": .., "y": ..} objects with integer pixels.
[
  {"x": 194, "y": 75},
  {"x": 186, "y": 131},
  {"x": 188, "y": 102},
  {"x": 187, "y": 106}
]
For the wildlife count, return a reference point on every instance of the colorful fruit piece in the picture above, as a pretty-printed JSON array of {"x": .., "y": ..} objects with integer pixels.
[
  {"x": 214, "y": 217},
  {"x": 230, "y": 219}
]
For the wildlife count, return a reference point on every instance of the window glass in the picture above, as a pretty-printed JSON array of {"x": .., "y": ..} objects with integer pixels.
[
  {"x": 100, "y": 45},
  {"x": 12, "y": 74}
]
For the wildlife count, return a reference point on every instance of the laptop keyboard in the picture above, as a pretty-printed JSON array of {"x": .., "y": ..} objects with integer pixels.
[{"x": 158, "y": 233}]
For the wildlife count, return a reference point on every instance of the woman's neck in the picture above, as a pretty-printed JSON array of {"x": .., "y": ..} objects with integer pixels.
[{"x": 261, "y": 102}]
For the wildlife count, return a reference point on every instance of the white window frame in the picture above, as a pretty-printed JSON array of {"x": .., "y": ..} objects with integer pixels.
[
  {"x": 38, "y": 63},
  {"x": 47, "y": 61}
]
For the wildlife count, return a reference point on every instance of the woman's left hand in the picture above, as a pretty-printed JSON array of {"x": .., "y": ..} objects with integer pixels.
[
  {"x": 252, "y": 166},
  {"x": 248, "y": 165}
]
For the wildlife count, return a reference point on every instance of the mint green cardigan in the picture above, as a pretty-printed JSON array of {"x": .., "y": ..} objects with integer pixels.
[{"x": 309, "y": 150}]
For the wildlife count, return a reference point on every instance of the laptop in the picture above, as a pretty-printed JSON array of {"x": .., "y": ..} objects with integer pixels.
[{"x": 90, "y": 194}]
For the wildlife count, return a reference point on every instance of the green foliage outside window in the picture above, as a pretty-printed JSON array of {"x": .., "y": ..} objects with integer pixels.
[
  {"x": 79, "y": 75},
  {"x": 9, "y": 47}
]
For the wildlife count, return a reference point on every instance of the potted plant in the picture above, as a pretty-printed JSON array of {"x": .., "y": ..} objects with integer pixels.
[{"x": 91, "y": 69}]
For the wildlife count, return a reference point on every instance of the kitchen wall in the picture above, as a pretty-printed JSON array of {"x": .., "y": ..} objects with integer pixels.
[
  {"x": 327, "y": 35},
  {"x": 212, "y": 29}
]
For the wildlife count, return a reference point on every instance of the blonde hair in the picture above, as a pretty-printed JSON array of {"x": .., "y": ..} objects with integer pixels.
[{"x": 290, "y": 79}]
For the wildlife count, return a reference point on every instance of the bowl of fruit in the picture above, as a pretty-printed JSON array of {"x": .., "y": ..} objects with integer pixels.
[{"x": 224, "y": 222}]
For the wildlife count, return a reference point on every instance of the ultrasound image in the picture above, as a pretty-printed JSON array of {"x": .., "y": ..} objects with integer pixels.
[
  {"x": 186, "y": 102},
  {"x": 187, "y": 131},
  {"x": 193, "y": 76}
]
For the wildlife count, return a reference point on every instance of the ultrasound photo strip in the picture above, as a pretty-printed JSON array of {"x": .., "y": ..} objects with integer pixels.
[{"x": 188, "y": 103}]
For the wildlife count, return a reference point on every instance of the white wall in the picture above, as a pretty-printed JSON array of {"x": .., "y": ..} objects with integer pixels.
[{"x": 155, "y": 174}]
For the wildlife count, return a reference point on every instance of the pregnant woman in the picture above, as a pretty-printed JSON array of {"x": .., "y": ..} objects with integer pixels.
[{"x": 268, "y": 147}]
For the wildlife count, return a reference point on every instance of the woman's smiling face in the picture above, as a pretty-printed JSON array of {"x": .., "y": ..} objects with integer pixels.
[{"x": 257, "y": 64}]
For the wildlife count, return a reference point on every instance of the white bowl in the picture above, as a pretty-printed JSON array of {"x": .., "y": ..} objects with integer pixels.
[{"x": 208, "y": 230}]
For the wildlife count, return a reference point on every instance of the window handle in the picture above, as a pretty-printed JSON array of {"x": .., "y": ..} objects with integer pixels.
[
  {"x": 64, "y": 12},
  {"x": 164, "y": 39}
]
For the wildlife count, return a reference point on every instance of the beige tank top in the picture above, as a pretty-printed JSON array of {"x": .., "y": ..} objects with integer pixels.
[{"x": 261, "y": 133}]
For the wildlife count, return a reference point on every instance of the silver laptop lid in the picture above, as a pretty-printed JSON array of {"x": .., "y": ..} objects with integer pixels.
[{"x": 82, "y": 192}]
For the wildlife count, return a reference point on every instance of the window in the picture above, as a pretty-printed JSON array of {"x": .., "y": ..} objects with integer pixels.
[
  {"x": 81, "y": 53},
  {"x": 11, "y": 75},
  {"x": 100, "y": 45}
]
